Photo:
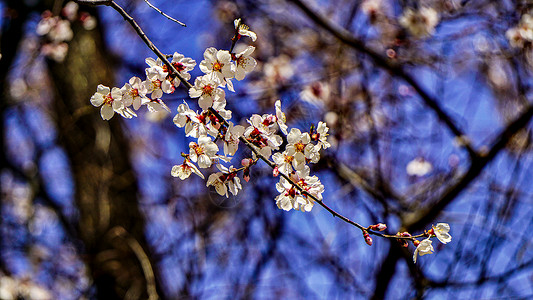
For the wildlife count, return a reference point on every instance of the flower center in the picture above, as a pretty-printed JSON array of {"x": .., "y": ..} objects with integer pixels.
[
  {"x": 108, "y": 99},
  {"x": 207, "y": 90},
  {"x": 299, "y": 147},
  {"x": 217, "y": 66},
  {"x": 179, "y": 66}
]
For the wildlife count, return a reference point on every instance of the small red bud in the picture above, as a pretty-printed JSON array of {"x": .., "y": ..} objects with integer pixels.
[
  {"x": 367, "y": 237},
  {"x": 275, "y": 172},
  {"x": 416, "y": 243},
  {"x": 246, "y": 162},
  {"x": 406, "y": 234},
  {"x": 381, "y": 226}
]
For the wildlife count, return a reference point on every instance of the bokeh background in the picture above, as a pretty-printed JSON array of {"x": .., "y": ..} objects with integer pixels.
[{"x": 89, "y": 209}]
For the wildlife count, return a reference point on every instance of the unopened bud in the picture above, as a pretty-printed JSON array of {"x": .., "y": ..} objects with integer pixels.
[
  {"x": 246, "y": 162},
  {"x": 368, "y": 240},
  {"x": 367, "y": 237},
  {"x": 406, "y": 234},
  {"x": 275, "y": 171},
  {"x": 416, "y": 243},
  {"x": 378, "y": 227}
]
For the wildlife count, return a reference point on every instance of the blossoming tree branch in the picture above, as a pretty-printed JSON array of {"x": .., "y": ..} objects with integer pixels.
[{"x": 216, "y": 139}]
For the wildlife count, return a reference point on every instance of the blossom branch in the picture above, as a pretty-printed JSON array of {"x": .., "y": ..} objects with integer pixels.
[{"x": 242, "y": 30}]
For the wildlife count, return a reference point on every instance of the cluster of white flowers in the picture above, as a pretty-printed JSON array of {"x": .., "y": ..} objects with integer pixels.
[
  {"x": 136, "y": 92},
  {"x": 220, "y": 67},
  {"x": 420, "y": 23},
  {"x": 425, "y": 246},
  {"x": 521, "y": 34},
  {"x": 57, "y": 30}
]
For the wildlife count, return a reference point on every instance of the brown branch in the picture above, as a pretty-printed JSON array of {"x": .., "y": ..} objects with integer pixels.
[{"x": 395, "y": 69}]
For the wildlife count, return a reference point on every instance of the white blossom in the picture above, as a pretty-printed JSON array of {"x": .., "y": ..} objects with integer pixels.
[
  {"x": 184, "y": 170},
  {"x": 420, "y": 23},
  {"x": 423, "y": 248},
  {"x": 217, "y": 64},
  {"x": 418, "y": 167},
  {"x": 109, "y": 99},
  {"x": 183, "y": 65},
  {"x": 207, "y": 89},
  {"x": 322, "y": 135},
  {"x": 190, "y": 120},
  {"x": 225, "y": 181},
  {"x": 441, "y": 231},
  {"x": 203, "y": 152},
  {"x": 244, "y": 29},
  {"x": 156, "y": 82},
  {"x": 134, "y": 92},
  {"x": 280, "y": 118},
  {"x": 244, "y": 63},
  {"x": 231, "y": 139}
]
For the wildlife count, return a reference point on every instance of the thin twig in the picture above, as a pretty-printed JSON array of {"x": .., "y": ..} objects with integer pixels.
[{"x": 164, "y": 14}]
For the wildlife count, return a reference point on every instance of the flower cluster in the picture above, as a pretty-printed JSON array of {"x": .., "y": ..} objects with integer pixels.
[
  {"x": 425, "y": 246},
  {"x": 56, "y": 31},
  {"x": 136, "y": 92},
  {"x": 420, "y": 23},
  {"x": 522, "y": 34}
]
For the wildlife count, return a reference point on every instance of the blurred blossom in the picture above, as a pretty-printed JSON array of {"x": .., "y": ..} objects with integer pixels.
[
  {"x": 278, "y": 69},
  {"x": 316, "y": 93},
  {"x": 331, "y": 118},
  {"x": 420, "y": 23},
  {"x": 56, "y": 52},
  {"x": 418, "y": 167},
  {"x": 497, "y": 74},
  {"x": 70, "y": 11},
  {"x": 372, "y": 8},
  {"x": 18, "y": 88},
  {"x": 11, "y": 288},
  {"x": 87, "y": 21}
]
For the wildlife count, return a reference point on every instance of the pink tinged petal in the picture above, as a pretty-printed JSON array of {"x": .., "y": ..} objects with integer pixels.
[{"x": 107, "y": 112}]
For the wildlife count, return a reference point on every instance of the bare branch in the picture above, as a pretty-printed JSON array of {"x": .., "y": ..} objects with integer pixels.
[{"x": 164, "y": 14}]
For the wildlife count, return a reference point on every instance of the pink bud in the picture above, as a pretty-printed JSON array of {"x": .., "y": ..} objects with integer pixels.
[
  {"x": 275, "y": 172},
  {"x": 381, "y": 226},
  {"x": 246, "y": 162},
  {"x": 367, "y": 237}
]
